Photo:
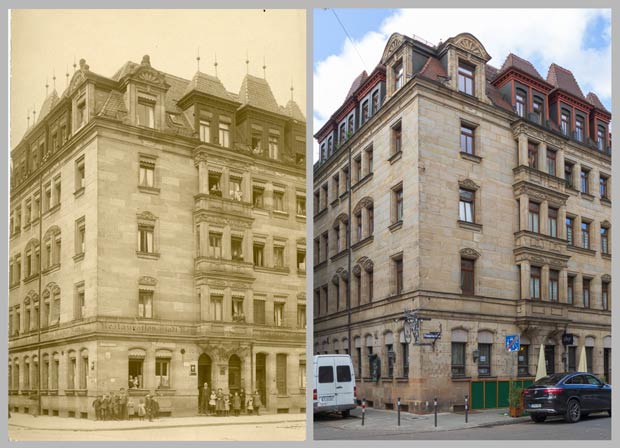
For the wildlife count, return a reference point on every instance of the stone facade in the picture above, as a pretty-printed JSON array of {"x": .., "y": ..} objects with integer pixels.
[
  {"x": 176, "y": 238},
  {"x": 528, "y": 276}
]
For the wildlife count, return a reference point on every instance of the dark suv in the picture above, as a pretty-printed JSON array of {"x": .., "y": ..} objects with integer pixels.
[{"x": 572, "y": 395}]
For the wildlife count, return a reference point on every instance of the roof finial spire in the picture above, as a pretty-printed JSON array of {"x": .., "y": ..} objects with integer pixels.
[
  {"x": 215, "y": 63},
  {"x": 264, "y": 68},
  {"x": 34, "y": 116},
  {"x": 47, "y": 85},
  {"x": 292, "y": 88},
  {"x": 54, "y": 78},
  {"x": 247, "y": 63},
  {"x": 67, "y": 75},
  {"x": 74, "y": 64},
  {"x": 198, "y": 60},
  {"x": 28, "y": 118}
]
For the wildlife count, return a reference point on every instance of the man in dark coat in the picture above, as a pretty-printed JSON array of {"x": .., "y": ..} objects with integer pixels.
[
  {"x": 116, "y": 405},
  {"x": 204, "y": 399},
  {"x": 154, "y": 408},
  {"x": 243, "y": 402},
  {"x": 97, "y": 406},
  {"x": 105, "y": 406},
  {"x": 123, "y": 404}
]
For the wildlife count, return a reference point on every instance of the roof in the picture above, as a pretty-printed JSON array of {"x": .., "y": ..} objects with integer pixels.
[
  {"x": 512, "y": 60},
  {"x": 357, "y": 82},
  {"x": 49, "y": 103},
  {"x": 292, "y": 110},
  {"x": 593, "y": 99},
  {"x": 432, "y": 69},
  {"x": 211, "y": 85},
  {"x": 563, "y": 79},
  {"x": 256, "y": 92},
  {"x": 114, "y": 106}
]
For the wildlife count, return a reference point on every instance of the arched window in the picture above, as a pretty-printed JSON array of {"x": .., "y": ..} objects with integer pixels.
[{"x": 51, "y": 248}]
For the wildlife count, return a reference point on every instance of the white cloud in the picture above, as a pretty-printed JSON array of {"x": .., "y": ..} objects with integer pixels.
[{"x": 542, "y": 36}]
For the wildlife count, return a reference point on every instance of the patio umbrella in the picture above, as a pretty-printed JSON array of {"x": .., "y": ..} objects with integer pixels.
[
  {"x": 583, "y": 363},
  {"x": 541, "y": 371}
]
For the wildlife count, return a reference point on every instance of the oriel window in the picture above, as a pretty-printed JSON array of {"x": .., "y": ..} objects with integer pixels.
[
  {"x": 534, "y": 217},
  {"x": 532, "y": 155},
  {"x": 224, "y": 134},
  {"x": 551, "y": 162},
  {"x": 205, "y": 131},
  {"x": 520, "y": 104},
  {"x": 553, "y": 285},
  {"x": 535, "y": 282},
  {"x": 553, "y": 222}
]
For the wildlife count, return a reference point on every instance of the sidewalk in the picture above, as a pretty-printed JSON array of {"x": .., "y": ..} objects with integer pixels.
[
  {"x": 385, "y": 422},
  {"x": 76, "y": 424}
]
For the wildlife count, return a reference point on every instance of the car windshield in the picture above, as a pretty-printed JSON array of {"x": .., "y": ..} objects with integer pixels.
[{"x": 549, "y": 380}]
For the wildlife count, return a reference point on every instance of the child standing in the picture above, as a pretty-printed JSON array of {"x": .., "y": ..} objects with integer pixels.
[
  {"x": 212, "y": 403},
  {"x": 141, "y": 409}
]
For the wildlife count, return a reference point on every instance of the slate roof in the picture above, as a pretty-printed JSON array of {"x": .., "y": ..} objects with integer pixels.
[
  {"x": 512, "y": 60},
  {"x": 211, "y": 85},
  {"x": 256, "y": 92},
  {"x": 432, "y": 69},
  {"x": 563, "y": 79},
  {"x": 114, "y": 106},
  {"x": 292, "y": 110},
  {"x": 593, "y": 99},
  {"x": 49, "y": 103},
  {"x": 357, "y": 82}
]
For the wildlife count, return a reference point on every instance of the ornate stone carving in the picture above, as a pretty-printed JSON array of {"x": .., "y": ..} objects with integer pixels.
[
  {"x": 470, "y": 46},
  {"x": 605, "y": 223},
  {"x": 393, "y": 44},
  {"x": 342, "y": 217},
  {"x": 146, "y": 280},
  {"x": 470, "y": 253},
  {"x": 335, "y": 279},
  {"x": 357, "y": 270},
  {"x": 301, "y": 296},
  {"x": 606, "y": 278},
  {"x": 365, "y": 202},
  {"x": 468, "y": 184},
  {"x": 146, "y": 215}
]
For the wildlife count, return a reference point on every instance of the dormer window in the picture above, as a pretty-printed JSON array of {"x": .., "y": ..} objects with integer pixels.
[
  {"x": 375, "y": 102},
  {"x": 350, "y": 126},
  {"x": 537, "y": 109},
  {"x": 224, "y": 135},
  {"x": 146, "y": 113},
  {"x": 520, "y": 103},
  {"x": 205, "y": 131},
  {"x": 579, "y": 129},
  {"x": 564, "y": 122},
  {"x": 329, "y": 146},
  {"x": 398, "y": 75},
  {"x": 274, "y": 149},
  {"x": 466, "y": 78},
  {"x": 341, "y": 132},
  {"x": 365, "y": 112},
  {"x": 600, "y": 138},
  {"x": 81, "y": 113}
]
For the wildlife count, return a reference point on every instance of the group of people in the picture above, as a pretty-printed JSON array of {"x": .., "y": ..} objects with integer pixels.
[
  {"x": 222, "y": 403},
  {"x": 122, "y": 407}
]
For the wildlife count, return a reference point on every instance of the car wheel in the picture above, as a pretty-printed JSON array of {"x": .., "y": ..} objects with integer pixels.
[
  {"x": 538, "y": 418},
  {"x": 573, "y": 411},
  {"x": 346, "y": 414}
]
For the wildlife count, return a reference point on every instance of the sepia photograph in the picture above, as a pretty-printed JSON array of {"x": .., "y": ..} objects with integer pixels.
[
  {"x": 462, "y": 224},
  {"x": 157, "y": 240}
]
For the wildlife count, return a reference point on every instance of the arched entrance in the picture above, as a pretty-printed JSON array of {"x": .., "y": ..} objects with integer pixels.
[
  {"x": 204, "y": 376},
  {"x": 234, "y": 374},
  {"x": 261, "y": 377}
]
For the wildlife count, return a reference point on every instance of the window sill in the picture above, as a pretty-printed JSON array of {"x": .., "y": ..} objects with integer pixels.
[
  {"x": 470, "y": 225},
  {"x": 78, "y": 257},
  {"x": 581, "y": 250},
  {"x": 280, "y": 214},
  {"x": 30, "y": 278},
  {"x": 587, "y": 196},
  {"x": 52, "y": 210},
  {"x": 362, "y": 181},
  {"x": 52, "y": 268},
  {"x": 320, "y": 213},
  {"x": 606, "y": 202},
  {"x": 395, "y": 157},
  {"x": 301, "y": 218},
  {"x": 471, "y": 157},
  {"x": 79, "y": 192},
  {"x": 344, "y": 195},
  {"x": 460, "y": 378},
  {"x": 147, "y": 255},
  {"x": 148, "y": 190},
  {"x": 322, "y": 264},
  {"x": 301, "y": 272},
  {"x": 335, "y": 202},
  {"x": 402, "y": 379},
  {"x": 279, "y": 271},
  {"x": 340, "y": 254},
  {"x": 14, "y": 285},
  {"x": 26, "y": 226},
  {"x": 397, "y": 225},
  {"x": 363, "y": 242},
  {"x": 606, "y": 256}
]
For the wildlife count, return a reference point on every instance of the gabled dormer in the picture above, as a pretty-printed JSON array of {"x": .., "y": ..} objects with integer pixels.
[
  {"x": 464, "y": 58},
  {"x": 144, "y": 90}
]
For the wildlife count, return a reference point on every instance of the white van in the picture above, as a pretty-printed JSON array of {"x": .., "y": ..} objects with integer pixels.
[{"x": 334, "y": 384}]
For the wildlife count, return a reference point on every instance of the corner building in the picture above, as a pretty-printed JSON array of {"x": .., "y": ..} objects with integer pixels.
[
  {"x": 158, "y": 233},
  {"x": 479, "y": 196}
]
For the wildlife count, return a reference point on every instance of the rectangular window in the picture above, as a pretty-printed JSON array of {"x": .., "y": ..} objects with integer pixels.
[
  {"x": 484, "y": 361},
  {"x": 398, "y": 75},
  {"x": 258, "y": 194},
  {"x": 80, "y": 301},
  {"x": 564, "y": 123},
  {"x": 237, "y": 309},
  {"x": 553, "y": 285},
  {"x": 602, "y": 189},
  {"x": 397, "y": 136},
  {"x": 585, "y": 235},
  {"x": 467, "y": 276},
  {"x": 369, "y": 160},
  {"x": 568, "y": 174},
  {"x": 342, "y": 132},
  {"x": 466, "y": 78},
  {"x": 391, "y": 356},
  {"x": 224, "y": 134},
  {"x": 551, "y": 162},
  {"x": 466, "y": 205},
  {"x": 569, "y": 231},
  {"x": 600, "y": 138},
  {"x": 234, "y": 189},
  {"x": 520, "y": 104},
  {"x": 71, "y": 371},
  {"x": 586, "y": 293},
  {"x": 405, "y": 355},
  {"x": 147, "y": 174},
  {"x": 324, "y": 245},
  {"x": 81, "y": 113},
  {"x": 537, "y": 110},
  {"x": 236, "y": 246},
  {"x": 584, "y": 178},
  {"x": 572, "y": 359},
  {"x": 145, "y": 239},
  {"x": 467, "y": 139},
  {"x": 357, "y": 168},
  {"x": 162, "y": 373},
  {"x": 274, "y": 150},
  {"x": 397, "y": 200},
  {"x": 301, "y": 260},
  {"x": 145, "y": 304},
  {"x": 375, "y": 102},
  {"x": 358, "y": 226},
  {"x": 83, "y": 372},
  {"x": 365, "y": 112},
  {"x": 205, "y": 131},
  {"x": 278, "y": 314},
  {"x": 350, "y": 126},
  {"x": 301, "y": 205},
  {"x": 371, "y": 219},
  {"x": 278, "y": 201},
  {"x": 458, "y": 359},
  {"x": 589, "y": 353},
  {"x": 281, "y": 373},
  {"x": 398, "y": 274},
  {"x": 278, "y": 257},
  {"x": 301, "y": 316},
  {"x": 570, "y": 289},
  {"x": 535, "y": 282},
  {"x": 134, "y": 371},
  {"x": 579, "y": 129},
  {"x": 80, "y": 236},
  {"x": 552, "y": 222},
  {"x": 259, "y": 311},
  {"x": 146, "y": 114},
  {"x": 534, "y": 217},
  {"x": 215, "y": 245},
  {"x": 302, "y": 375},
  {"x": 217, "y": 307},
  {"x": 604, "y": 240},
  {"x": 80, "y": 174},
  {"x": 532, "y": 155},
  {"x": 605, "y": 295},
  {"x": 259, "y": 254}
]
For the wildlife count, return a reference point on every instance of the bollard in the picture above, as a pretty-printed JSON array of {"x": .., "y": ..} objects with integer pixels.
[
  {"x": 398, "y": 406},
  {"x": 363, "y": 410},
  {"x": 466, "y": 407},
  {"x": 435, "y": 404}
]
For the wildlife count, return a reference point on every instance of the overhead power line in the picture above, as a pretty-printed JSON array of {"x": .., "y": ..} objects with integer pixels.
[{"x": 349, "y": 37}]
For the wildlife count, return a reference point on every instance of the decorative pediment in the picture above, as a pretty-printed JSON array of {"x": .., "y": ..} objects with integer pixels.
[
  {"x": 76, "y": 81},
  {"x": 301, "y": 296},
  {"x": 146, "y": 280},
  {"x": 393, "y": 44},
  {"x": 468, "y": 184},
  {"x": 469, "y": 253},
  {"x": 147, "y": 216},
  {"x": 363, "y": 203},
  {"x": 606, "y": 278},
  {"x": 470, "y": 44},
  {"x": 366, "y": 263}
]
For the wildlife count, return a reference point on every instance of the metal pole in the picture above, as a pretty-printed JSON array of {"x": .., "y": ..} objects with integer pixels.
[
  {"x": 435, "y": 404},
  {"x": 466, "y": 407},
  {"x": 398, "y": 407},
  {"x": 349, "y": 253},
  {"x": 363, "y": 410}
]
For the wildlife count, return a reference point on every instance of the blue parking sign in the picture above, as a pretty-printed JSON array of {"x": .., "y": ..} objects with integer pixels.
[{"x": 513, "y": 343}]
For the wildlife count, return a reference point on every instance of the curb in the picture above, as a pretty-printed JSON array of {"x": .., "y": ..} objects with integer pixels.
[{"x": 193, "y": 425}]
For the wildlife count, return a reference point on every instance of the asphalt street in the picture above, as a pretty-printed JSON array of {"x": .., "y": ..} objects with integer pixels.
[{"x": 593, "y": 427}]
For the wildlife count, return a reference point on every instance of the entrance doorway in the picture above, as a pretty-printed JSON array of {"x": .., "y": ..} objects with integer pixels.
[
  {"x": 234, "y": 374},
  {"x": 550, "y": 359},
  {"x": 204, "y": 374},
  {"x": 261, "y": 377}
]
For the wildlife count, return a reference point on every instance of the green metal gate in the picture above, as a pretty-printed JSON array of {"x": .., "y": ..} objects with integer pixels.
[{"x": 490, "y": 394}]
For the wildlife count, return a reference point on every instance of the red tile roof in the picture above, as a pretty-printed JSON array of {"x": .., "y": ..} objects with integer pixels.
[
  {"x": 357, "y": 82},
  {"x": 593, "y": 99},
  {"x": 432, "y": 69},
  {"x": 564, "y": 79},
  {"x": 512, "y": 60}
]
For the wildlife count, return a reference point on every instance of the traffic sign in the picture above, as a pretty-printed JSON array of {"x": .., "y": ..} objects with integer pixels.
[
  {"x": 432, "y": 335},
  {"x": 513, "y": 343},
  {"x": 567, "y": 338}
]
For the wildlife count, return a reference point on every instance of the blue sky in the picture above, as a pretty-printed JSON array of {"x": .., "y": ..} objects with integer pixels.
[{"x": 577, "y": 39}]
